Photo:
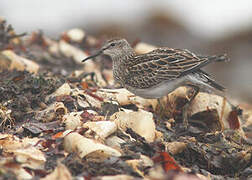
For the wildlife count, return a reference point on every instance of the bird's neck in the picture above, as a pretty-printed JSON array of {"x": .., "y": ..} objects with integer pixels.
[
  {"x": 120, "y": 66},
  {"x": 119, "y": 62},
  {"x": 123, "y": 58}
]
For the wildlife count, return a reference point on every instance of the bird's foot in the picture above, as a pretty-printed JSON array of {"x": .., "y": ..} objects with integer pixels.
[
  {"x": 185, "y": 116},
  {"x": 186, "y": 106}
]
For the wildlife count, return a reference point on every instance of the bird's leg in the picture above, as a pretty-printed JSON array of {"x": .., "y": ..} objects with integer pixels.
[
  {"x": 160, "y": 105},
  {"x": 185, "y": 108},
  {"x": 161, "y": 109}
]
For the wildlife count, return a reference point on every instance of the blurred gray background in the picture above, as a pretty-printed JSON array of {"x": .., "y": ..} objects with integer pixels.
[{"x": 204, "y": 27}]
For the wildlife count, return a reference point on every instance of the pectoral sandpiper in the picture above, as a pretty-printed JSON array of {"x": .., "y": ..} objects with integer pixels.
[{"x": 159, "y": 72}]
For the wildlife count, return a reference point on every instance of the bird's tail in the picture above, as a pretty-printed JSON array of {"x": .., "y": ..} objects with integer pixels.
[
  {"x": 217, "y": 58},
  {"x": 214, "y": 84},
  {"x": 208, "y": 80}
]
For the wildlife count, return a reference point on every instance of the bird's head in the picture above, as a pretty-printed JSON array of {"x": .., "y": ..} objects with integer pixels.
[{"x": 113, "y": 48}]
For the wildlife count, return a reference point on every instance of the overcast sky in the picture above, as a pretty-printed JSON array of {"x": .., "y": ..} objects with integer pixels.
[{"x": 207, "y": 18}]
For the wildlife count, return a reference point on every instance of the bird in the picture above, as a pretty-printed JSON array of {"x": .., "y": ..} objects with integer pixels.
[{"x": 157, "y": 73}]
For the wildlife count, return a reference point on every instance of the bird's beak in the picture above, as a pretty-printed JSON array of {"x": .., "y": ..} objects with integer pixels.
[
  {"x": 96, "y": 54},
  {"x": 92, "y": 56}
]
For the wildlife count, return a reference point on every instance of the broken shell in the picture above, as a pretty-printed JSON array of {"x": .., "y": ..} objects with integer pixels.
[
  {"x": 89, "y": 66},
  {"x": 108, "y": 75},
  {"x": 46, "y": 115},
  {"x": 51, "y": 112},
  {"x": 60, "y": 172},
  {"x": 23, "y": 151},
  {"x": 76, "y": 35},
  {"x": 175, "y": 147},
  {"x": 146, "y": 161},
  {"x": 75, "y": 142},
  {"x": 64, "y": 89},
  {"x": 53, "y": 47},
  {"x": 91, "y": 41},
  {"x": 5, "y": 117},
  {"x": 102, "y": 128},
  {"x": 124, "y": 97},
  {"x": 10, "y": 60},
  {"x": 114, "y": 141},
  {"x": 142, "y": 48},
  {"x": 173, "y": 101},
  {"x": 92, "y": 67},
  {"x": 89, "y": 100},
  {"x": 116, "y": 177},
  {"x": 30, "y": 157},
  {"x": 208, "y": 110},
  {"x": 134, "y": 163},
  {"x": 72, "y": 120},
  {"x": 99, "y": 78},
  {"x": 16, "y": 168},
  {"x": 205, "y": 102},
  {"x": 10, "y": 142},
  {"x": 139, "y": 164},
  {"x": 59, "y": 108},
  {"x": 181, "y": 92},
  {"x": 72, "y": 52},
  {"x": 246, "y": 114},
  {"x": 141, "y": 122}
]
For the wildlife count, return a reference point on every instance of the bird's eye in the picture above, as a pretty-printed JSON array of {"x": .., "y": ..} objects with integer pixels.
[{"x": 112, "y": 44}]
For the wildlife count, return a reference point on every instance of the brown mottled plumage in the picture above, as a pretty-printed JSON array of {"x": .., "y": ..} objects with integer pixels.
[{"x": 155, "y": 74}]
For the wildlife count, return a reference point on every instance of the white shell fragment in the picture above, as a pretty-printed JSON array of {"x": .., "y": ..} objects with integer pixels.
[
  {"x": 124, "y": 97},
  {"x": 87, "y": 100},
  {"x": 10, "y": 60},
  {"x": 60, "y": 172},
  {"x": 75, "y": 142},
  {"x": 203, "y": 104},
  {"x": 114, "y": 141},
  {"x": 143, "y": 162},
  {"x": 102, "y": 128},
  {"x": 141, "y": 122},
  {"x": 53, "y": 47},
  {"x": 170, "y": 102},
  {"x": 116, "y": 177},
  {"x": 30, "y": 157},
  {"x": 108, "y": 75},
  {"x": 247, "y": 115},
  {"x": 18, "y": 170},
  {"x": 23, "y": 151},
  {"x": 142, "y": 48},
  {"x": 72, "y": 52},
  {"x": 59, "y": 108},
  {"x": 205, "y": 101},
  {"x": 46, "y": 115},
  {"x": 76, "y": 35},
  {"x": 51, "y": 112},
  {"x": 175, "y": 147},
  {"x": 64, "y": 89},
  {"x": 72, "y": 120}
]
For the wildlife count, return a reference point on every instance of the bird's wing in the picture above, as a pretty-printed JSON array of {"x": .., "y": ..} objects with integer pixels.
[
  {"x": 160, "y": 65},
  {"x": 168, "y": 63},
  {"x": 182, "y": 60},
  {"x": 165, "y": 64}
]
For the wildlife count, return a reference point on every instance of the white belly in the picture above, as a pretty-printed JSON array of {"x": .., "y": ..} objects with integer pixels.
[{"x": 159, "y": 90}]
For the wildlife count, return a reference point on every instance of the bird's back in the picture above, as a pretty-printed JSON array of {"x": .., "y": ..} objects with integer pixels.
[{"x": 163, "y": 64}]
